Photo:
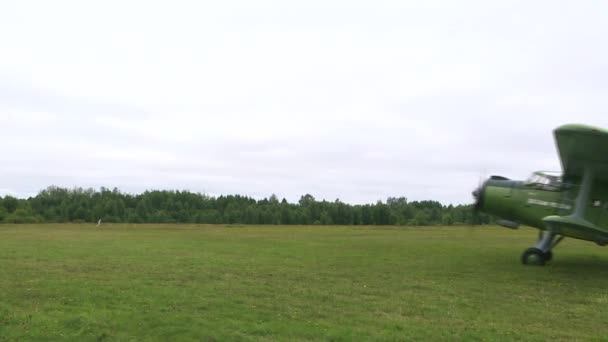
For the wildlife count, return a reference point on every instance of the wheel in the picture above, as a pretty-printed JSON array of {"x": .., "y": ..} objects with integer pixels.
[
  {"x": 548, "y": 256},
  {"x": 534, "y": 256}
]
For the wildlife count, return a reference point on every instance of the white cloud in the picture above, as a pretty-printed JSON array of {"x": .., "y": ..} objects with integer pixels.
[{"x": 357, "y": 100}]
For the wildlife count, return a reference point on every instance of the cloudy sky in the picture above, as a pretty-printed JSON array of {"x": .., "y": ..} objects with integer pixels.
[{"x": 357, "y": 100}]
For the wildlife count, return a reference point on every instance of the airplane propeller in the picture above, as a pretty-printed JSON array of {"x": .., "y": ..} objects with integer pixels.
[{"x": 478, "y": 194}]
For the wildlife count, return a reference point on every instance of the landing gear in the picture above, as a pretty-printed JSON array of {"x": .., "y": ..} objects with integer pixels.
[
  {"x": 548, "y": 256},
  {"x": 541, "y": 253},
  {"x": 535, "y": 256}
]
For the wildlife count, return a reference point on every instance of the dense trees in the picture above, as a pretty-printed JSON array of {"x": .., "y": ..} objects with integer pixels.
[{"x": 56, "y": 204}]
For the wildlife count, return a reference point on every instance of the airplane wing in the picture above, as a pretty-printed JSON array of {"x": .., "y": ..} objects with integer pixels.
[
  {"x": 577, "y": 228},
  {"x": 582, "y": 146}
]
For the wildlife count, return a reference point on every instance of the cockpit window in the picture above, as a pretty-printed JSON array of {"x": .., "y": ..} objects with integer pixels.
[{"x": 545, "y": 181}]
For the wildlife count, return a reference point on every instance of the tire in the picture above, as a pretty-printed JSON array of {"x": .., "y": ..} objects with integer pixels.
[
  {"x": 533, "y": 256},
  {"x": 548, "y": 256}
]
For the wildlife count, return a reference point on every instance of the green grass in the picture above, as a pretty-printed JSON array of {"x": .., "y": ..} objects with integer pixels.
[{"x": 179, "y": 282}]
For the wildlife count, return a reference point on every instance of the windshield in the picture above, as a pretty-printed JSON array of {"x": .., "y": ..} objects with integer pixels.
[{"x": 545, "y": 180}]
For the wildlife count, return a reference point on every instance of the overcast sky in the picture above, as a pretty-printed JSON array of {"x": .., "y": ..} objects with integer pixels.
[{"x": 357, "y": 100}]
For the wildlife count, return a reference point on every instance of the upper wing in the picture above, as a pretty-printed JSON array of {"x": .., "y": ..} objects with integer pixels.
[{"x": 582, "y": 146}]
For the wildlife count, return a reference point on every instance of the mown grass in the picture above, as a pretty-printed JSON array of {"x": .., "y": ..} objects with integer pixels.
[{"x": 179, "y": 282}]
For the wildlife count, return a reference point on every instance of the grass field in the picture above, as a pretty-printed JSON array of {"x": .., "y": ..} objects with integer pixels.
[{"x": 179, "y": 282}]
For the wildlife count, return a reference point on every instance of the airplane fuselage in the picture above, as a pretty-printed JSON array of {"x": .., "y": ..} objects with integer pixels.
[
  {"x": 571, "y": 203},
  {"x": 529, "y": 203}
]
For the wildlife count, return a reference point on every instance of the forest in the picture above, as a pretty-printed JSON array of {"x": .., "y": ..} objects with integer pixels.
[{"x": 57, "y": 205}]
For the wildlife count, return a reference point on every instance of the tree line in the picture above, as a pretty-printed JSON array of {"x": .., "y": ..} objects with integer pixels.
[{"x": 56, "y": 204}]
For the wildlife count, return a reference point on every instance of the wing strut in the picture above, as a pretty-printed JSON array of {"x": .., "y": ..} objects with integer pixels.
[{"x": 583, "y": 194}]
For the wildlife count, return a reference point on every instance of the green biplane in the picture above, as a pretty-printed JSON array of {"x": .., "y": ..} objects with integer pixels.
[{"x": 571, "y": 204}]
